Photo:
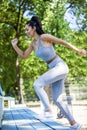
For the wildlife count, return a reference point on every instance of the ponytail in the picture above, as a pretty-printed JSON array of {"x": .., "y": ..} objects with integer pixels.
[{"x": 35, "y": 22}]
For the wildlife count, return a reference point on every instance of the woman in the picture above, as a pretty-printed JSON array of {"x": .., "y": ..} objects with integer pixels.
[{"x": 43, "y": 48}]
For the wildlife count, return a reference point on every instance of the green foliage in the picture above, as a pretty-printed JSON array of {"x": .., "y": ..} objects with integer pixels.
[{"x": 51, "y": 13}]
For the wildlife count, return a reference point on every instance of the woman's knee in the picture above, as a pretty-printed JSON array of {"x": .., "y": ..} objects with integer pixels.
[{"x": 38, "y": 84}]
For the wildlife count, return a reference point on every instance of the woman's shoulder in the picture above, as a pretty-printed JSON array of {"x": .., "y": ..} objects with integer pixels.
[{"x": 46, "y": 37}]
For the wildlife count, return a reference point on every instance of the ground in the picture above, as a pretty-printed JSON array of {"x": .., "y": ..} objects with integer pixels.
[{"x": 78, "y": 109}]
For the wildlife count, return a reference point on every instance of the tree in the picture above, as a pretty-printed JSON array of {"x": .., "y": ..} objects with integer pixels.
[
  {"x": 13, "y": 21},
  {"x": 79, "y": 9},
  {"x": 12, "y": 25}
]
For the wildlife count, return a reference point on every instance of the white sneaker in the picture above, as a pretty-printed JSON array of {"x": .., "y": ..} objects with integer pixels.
[
  {"x": 45, "y": 116},
  {"x": 76, "y": 126},
  {"x": 48, "y": 115}
]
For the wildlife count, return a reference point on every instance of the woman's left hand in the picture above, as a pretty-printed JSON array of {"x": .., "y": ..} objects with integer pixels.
[{"x": 82, "y": 52}]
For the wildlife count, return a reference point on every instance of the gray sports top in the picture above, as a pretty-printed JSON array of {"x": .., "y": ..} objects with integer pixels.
[{"x": 43, "y": 52}]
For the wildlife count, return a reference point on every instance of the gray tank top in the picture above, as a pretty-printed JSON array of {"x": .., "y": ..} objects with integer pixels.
[{"x": 43, "y": 52}]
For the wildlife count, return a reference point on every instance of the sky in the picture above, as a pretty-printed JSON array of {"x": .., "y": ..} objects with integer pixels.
[{"x": 71, "y": 19}]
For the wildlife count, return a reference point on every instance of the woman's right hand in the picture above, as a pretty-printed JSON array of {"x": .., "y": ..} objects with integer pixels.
[{"x": 14, "y": 42}]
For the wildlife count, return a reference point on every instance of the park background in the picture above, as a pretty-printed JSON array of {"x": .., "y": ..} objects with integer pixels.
[{"x": 64, "y": 19}]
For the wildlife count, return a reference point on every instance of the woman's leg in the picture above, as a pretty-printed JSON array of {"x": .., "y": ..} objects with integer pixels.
[
  {"x": 57, "y": 73},
  {"x": 57, "y": 89}
]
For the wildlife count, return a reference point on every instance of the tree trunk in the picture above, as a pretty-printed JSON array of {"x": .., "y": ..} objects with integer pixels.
[
  {"x": 67, "y": 91},
  {"x": 20, "y": 97}
]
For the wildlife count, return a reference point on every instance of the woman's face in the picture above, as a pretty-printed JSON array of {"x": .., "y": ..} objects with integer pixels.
[{"x": 30, "y": 31}]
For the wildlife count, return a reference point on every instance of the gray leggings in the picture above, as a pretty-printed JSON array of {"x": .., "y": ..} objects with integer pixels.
[{"x": 55, "y": 76}]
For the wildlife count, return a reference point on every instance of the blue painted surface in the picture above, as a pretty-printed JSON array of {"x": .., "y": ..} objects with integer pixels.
[
  {"x": 25, "y": 119},
  {"x": 52, "y": 124}
]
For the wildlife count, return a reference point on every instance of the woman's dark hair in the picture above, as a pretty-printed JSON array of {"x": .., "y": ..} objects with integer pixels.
[{"x": 35, "y": 22}]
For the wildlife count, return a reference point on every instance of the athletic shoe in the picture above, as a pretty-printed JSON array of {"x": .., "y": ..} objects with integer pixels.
[
  {"x": 76, "y": 126},
  {"x": 60, "y": 115},
  {"x": 45, "y": 116},
  {"x": 48, "y": 115}
]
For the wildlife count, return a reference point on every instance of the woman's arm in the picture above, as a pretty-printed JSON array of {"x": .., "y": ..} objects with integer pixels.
[
  {"x": 51, "y": 38},
  {"x": 23, "y": 54}
]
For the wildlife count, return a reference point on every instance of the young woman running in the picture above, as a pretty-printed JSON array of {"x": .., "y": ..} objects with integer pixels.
[{"x": 42, "y": 45}]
